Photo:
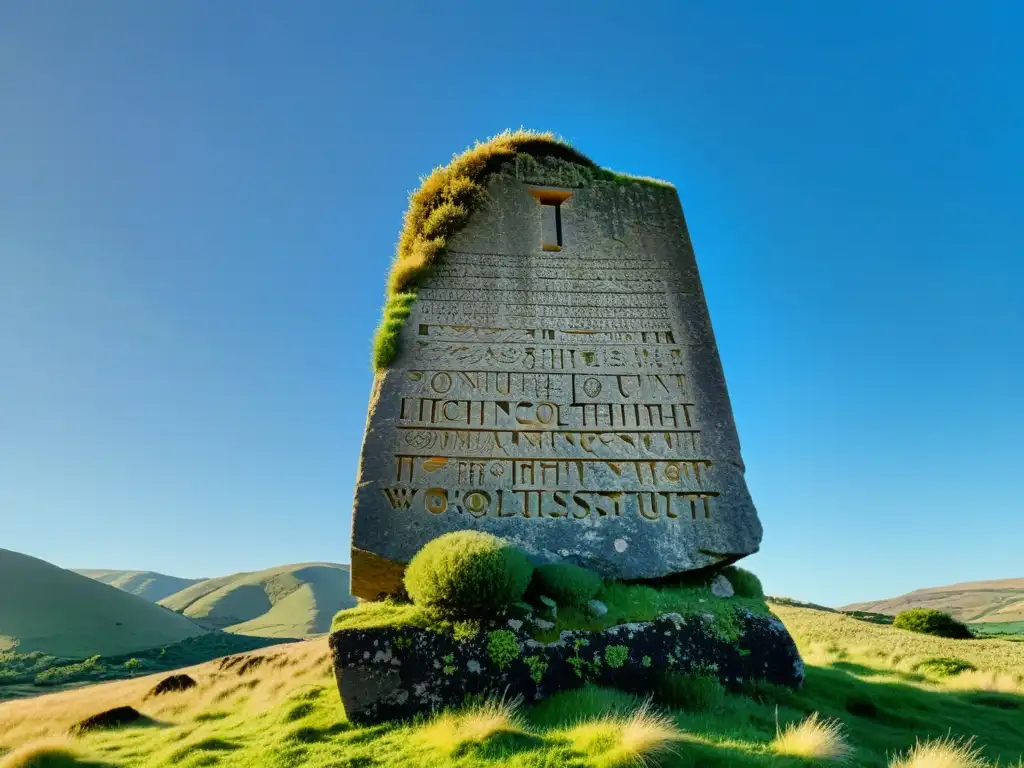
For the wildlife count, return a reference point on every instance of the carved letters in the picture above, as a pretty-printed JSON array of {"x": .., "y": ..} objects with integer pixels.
[{"x": 585, "y": 416}]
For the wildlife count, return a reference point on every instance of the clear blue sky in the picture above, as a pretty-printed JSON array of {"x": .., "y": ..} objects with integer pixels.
[{"x": 199, "y": 201}]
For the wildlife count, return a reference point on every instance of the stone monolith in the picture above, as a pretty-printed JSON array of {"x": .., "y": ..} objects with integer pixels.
[{"x": 558, "y": 384}]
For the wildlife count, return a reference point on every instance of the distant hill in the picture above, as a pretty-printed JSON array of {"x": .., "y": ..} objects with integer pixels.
[
  {"x": 287, "y": 601},
  {"x": 62, "y": 613},
  {"x": 975, "y": 602},
  {"x": 148, "y": 584}
]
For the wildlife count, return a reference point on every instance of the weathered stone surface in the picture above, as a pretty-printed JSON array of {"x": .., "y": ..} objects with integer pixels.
[
  {"x": 571, "y": 401},
  {"x": 397, "y": 673},
  {"x": 722, "y": 587}
]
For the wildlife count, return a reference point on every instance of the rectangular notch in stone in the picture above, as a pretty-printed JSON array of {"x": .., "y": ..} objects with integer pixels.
[
  {"x": 551, "y": 216},
  {"x": 551, "y": 226}
]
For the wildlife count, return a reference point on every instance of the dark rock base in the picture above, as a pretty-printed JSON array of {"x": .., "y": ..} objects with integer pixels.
[{"x": 396, "y": 673}]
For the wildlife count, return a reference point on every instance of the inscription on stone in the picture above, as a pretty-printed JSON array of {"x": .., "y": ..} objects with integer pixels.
[{"x": 570, "y": 401}]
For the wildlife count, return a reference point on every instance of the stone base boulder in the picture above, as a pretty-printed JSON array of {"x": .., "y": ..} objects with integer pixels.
[{"x": 398, "y": 672}]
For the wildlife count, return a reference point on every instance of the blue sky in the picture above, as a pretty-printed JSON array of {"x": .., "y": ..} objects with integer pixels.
[{"x": 199, "y": 203}]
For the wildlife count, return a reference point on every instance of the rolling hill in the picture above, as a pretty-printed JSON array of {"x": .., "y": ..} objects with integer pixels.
[
  {"x": 287, "y": 601},
  {"x": 147, "y": 584},
  {"x": 976, "y": 602},
  {"x": 62, "y": 613}
]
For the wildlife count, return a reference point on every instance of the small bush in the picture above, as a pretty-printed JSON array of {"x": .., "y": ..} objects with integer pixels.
[
  {"x": 467, "y": 574},
  {"x": 944, "y": 666},
  {"x": 743, "y": 582},
  {"x": 928, "y": 621},
  {"x": 694, "y": 693},
  {"x": 566, "y": 584}
]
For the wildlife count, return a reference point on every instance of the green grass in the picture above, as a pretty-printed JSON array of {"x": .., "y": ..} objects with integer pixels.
[
  {"x": 61, "y": 613},
  {"x": 287, "y": 713},
  {"x": 1010, "y": 628},
  {"x": 633, "y": 602},
  {"x": 290, "y": 601},
  {"x": 32, "y": 673},
  {"x": 443, "y": 204}
]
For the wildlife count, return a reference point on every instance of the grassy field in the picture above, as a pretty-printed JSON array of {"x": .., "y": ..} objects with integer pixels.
[
  {"x": 31, "y": 674},
  {"x": 877, "y": 682},
  {"x": 997, "y": 601},
  {"x": 1013, "y": 628},
  {"x": 146, "y": 584},
  {"x": 287, "y": 601},
  {"x": 58, "y": 612}
]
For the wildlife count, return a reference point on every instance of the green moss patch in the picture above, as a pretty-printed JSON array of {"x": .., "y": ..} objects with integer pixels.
[
  {"x": 381, "y": 615},
  {"x": 634, "y": 603}
]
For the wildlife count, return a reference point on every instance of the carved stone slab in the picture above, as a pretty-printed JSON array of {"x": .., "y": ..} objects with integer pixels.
[{"x": 569, "y": 399}]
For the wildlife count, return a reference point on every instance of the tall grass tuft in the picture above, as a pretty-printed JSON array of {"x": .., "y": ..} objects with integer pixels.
[
  {"x": 52, "y": 753},
  {"x": 453, "y": 732},
  {"x": 814, "y": 739},
  {"x": 638, "y": 739},
  {"x": 946, "y": 752}
]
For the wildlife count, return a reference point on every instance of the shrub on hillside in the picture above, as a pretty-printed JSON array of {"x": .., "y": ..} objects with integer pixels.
[
  {"x": 90, "y": 669},
  {"x": 945, "y": 666},
  {"x": 743, "y": 582},
  {"x": 467, "y": 574},
  {"x": 931, "y": 622},
  {"x": 566, "y": 584}
]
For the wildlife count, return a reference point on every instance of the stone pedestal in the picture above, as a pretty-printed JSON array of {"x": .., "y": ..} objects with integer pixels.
[{"x": 396, "y": 673}]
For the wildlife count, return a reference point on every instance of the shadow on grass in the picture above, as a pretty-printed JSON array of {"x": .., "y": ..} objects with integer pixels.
[
  {"x": 861, "y": 670},
  {"x": 311, "y": 735},
  {"x": 211, "y": 744}
]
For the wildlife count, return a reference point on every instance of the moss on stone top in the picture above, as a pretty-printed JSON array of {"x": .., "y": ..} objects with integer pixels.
[
  {"x": 442, "y": 205},
  {"x": 626, "y": 603}
]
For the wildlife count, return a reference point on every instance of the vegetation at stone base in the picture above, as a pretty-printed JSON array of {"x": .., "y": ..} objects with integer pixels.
[
  {"x": 636, "y": 602},
  {"x": 290, "y": 601},
  {"x": 625, "y": 602},
  {"x": 565, "y": 583},
  {"x": 467, "y": 574},
  {"x": 36, "y": 672},
  {"x": 931, "y": 622},
  {"x": 442, "y": 206},
  {"x": 744, "y": 582},
  {"x": 286, "y": 712}
]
